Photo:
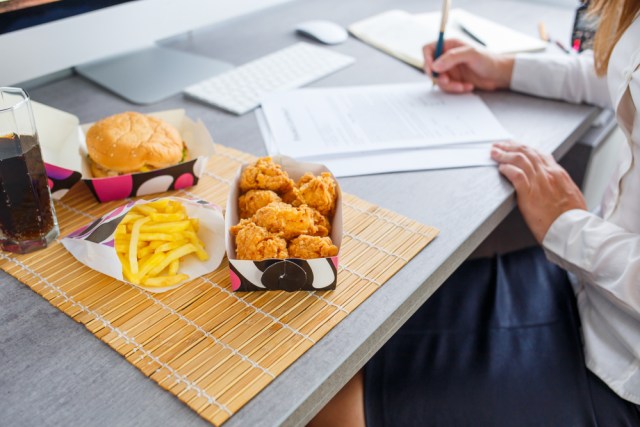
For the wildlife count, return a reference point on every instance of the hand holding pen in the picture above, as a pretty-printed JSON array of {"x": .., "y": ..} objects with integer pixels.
[{"x": 461, "y": 68}]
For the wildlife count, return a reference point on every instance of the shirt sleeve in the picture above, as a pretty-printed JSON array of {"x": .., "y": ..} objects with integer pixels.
[
  {"x": 599, "y": 253},
  {"x": 571, "y": 78}
]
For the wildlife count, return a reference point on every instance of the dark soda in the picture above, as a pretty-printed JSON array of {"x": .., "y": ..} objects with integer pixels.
[{"x": 26, "y": 216}]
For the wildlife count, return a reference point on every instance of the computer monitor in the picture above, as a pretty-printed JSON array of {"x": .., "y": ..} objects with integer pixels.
[{"x": 111, "y": 41}]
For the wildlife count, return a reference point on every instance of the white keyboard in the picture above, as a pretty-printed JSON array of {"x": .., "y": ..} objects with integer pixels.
[{"x": 241, "y": 89}]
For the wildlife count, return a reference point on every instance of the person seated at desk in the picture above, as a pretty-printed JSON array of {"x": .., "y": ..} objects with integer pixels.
[{"x": 527, "y": 339}]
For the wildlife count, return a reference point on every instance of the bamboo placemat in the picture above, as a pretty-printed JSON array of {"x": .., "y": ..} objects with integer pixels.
[{"x": 213, "y": 348}]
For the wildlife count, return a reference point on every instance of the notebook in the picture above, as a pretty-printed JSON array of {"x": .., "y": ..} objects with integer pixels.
[{"x": 402, "y": 35}]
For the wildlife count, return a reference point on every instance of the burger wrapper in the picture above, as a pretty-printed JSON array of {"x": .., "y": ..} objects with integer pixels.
[
  {"x": 289, "y": 274},
  {"x": 94, "y": 244},
  {"x": 62, "y": 140}
]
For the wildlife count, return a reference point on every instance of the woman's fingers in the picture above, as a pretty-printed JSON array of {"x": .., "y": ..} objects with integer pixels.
[
  {"x": 447, "y": 85},
  {"x": 534, "y": 157},
  {"x": 507, "y": 145},
  {"x": 454, "y": 57},
  {"x": 429, "y": 50},
  {"x": 516, "y": 176},
  {"x": 548, "y": 159},
  {"x": 514, "y": 158},
  {"x": 453, "y": 82}
]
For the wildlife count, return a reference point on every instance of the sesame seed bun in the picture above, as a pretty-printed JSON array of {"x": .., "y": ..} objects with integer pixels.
[{"x": 130, "y": 142}]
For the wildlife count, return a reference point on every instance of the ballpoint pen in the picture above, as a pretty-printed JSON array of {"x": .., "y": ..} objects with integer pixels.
[
  {"x": 544, "y": 35},
  {"x": 446, "y": 5},
  {"x": 472, "y": 36},
  {"x": 542, "y": 31}
]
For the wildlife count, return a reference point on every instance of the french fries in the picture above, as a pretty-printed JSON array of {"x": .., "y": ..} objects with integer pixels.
[{"x": 151, "y": 241}]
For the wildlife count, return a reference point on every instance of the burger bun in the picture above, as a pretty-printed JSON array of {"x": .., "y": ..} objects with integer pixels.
[{"x": 132, "y": 142}]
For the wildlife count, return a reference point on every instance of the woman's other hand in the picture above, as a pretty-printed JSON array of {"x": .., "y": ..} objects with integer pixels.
[
  {"x": 544, "y": 189},
  {"x": 462, "y": 68}
]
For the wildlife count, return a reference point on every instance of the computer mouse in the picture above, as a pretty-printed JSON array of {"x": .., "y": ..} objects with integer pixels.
[{"x": 326, "y": 32}]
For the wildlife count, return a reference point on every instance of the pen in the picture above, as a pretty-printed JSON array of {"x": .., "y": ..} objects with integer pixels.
[
  {"x": 561, "y": 46},
  {"x": 446, "y": 4},
  {"x": 544, "y": 35},
  {"x": 542, "y": 31},
  {"x": 473, "y": 36}
]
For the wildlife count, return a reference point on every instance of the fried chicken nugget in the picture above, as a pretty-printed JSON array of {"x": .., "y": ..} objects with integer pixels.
[
  {"x": 285, "y": 220},
  {"x": 307, "y": 247},
  {"x": 306, "y": 178},
  {"x": 235, "y": 229},
  {"x": 265, "y": 175},
  {"x": 252, "y": 200},
  {"x": 323, "y": 226},
  {"x": 319, "y": 192},
  {"x": 256, "y": 243},
  {"x": 293, "y": 197}
]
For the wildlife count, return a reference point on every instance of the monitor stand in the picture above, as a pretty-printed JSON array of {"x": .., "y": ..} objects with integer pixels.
[{"x": 151, "y": 74}]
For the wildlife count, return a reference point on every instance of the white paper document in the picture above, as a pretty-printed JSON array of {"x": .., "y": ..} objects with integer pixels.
[
  {"x": 376, "y": 129},
  {"x": 412, "y": 160},
  {"x": 457, "y": 156}
]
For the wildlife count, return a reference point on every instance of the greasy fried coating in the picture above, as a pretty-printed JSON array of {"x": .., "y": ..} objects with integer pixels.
[
  {"x": 285, "y": 220},
  {"x": 235, "y": 229},
  {"x": 323, "y": 226},
  {"x": 307, "y": 247},
  {"x": 265, "y": 175},
  {"x": 293, "y": 197},
  {"x": 307, "y": 177},
  {"x": 255, "y": 243},
  {"x": 319, "y": 192},
  {"x": 252, "y": 200}
]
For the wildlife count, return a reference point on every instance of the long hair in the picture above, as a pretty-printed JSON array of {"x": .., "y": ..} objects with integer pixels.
[{"x": 615, "y": 17}]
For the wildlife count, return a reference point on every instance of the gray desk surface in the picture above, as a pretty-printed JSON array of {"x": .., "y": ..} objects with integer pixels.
[{"x": 54, "y": 372}]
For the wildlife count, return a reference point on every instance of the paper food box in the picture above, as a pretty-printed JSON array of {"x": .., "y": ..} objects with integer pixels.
[
  {"x": 58, "y": 133},
  {"x": 64, "y": 151},
  {"x": 290, "y": 274},
  {"x": 94, "y": 244}
]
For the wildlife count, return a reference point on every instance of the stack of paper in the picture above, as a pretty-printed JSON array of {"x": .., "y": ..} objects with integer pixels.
[
  {"x": 374, "y": 129},
  {"x": 403, "y": 35}
]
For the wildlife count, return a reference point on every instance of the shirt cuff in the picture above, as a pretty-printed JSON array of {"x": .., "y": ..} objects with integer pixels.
[
  {"x": 528, "y": 74},
  {"x": 560, "y": 243}
]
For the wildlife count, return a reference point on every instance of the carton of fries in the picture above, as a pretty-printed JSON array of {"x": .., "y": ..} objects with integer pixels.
[
  {"x": 156, "y": 245},
  {"x": 290, "y": 274}
]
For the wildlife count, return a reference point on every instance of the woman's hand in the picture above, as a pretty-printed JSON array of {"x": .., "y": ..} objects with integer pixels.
[
  {"x": 461, "y": 68},
  {"x": 544, "y": 189}
]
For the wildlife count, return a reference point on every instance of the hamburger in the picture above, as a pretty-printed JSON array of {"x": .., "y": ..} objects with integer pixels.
[{"x": 131, "y": 142}]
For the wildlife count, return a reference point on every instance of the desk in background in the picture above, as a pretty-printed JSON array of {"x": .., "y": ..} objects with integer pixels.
[{"x": 54, "y": 372}]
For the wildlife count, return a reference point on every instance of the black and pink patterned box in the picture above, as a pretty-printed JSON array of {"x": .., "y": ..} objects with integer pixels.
[{"x": 65, "y": 155}]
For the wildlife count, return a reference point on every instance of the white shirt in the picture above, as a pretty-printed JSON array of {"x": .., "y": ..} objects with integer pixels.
[{"x": 602, "y": 253}]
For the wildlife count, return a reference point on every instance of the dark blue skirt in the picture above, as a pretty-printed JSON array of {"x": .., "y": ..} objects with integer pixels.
[{"x": 498, "y": 344}]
